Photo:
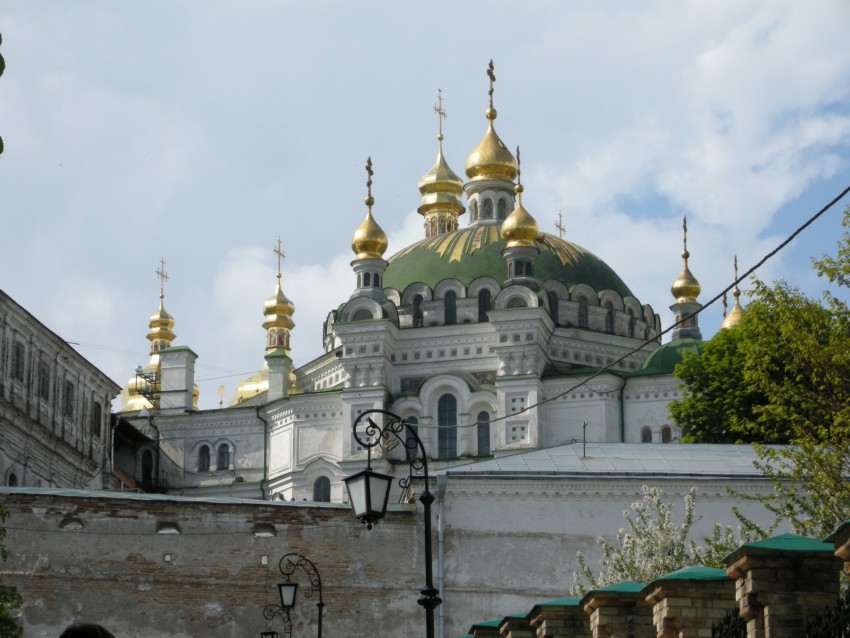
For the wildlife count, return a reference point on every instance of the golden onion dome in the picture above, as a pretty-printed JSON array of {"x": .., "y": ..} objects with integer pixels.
[
  {"x": 520, "y": 228},
  {"x": 160, "y": 325},
  {"x": 491, "y": 159},
  {"x": 441, "y": 187},
  {"x": 369, "y": 240},
  {"x": 686, "y": 288},
  {"x": 277, "y": 308}
]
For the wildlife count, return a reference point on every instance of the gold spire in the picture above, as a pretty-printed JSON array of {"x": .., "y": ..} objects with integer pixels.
[
  {"x": 735, "y": 315},
  {"x": 520, "y": 228},
  {"x": 441, "y": 188},
  {"x": 491, "y": 159},
  {"x": 278, "y": 312},
  {"x": 369, "y": 240},
  {"x": 686, "y": 288}
]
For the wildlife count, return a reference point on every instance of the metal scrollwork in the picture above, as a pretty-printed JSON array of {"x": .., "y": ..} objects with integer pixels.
[
  {"x": 270, "y": 611},
  {"x": 395, "y": 430},
  {"x": 291, "y": 562}
]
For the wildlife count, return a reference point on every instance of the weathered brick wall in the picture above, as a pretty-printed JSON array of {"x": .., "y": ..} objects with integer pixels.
[{"x": 99, "y": 558}]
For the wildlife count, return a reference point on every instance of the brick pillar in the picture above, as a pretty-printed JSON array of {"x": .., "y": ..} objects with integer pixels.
[
  {"x": 619, "y": 611},
  {"x": 780, "y": 580},
  {"x": 516, "y": 627},
  {"x": 560, "y": 618},
  {"x": 686, "y": 602}
]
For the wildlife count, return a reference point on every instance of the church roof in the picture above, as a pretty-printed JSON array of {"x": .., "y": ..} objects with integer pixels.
[
  {"x": 618, "y": 459},
  {"x": 476, "y": 251},
  {"x": 664, "y": 359}
]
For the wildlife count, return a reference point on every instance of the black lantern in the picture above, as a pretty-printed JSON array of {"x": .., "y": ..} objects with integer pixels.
[
  {"x": 269, "y": 633},
  {"x": 368, "y": 492},
  {"x": 287, "y": 594}
]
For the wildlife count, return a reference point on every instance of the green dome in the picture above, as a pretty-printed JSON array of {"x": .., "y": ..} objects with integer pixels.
[
  {"x": 664, "y": 359},
  {"x": 476, "y": 251}
]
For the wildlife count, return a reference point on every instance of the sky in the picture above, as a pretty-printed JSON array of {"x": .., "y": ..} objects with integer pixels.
[{"x": 201, "y": 132}]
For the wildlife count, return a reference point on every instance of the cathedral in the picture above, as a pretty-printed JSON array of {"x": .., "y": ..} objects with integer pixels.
[{"x": 488, "y": 336}]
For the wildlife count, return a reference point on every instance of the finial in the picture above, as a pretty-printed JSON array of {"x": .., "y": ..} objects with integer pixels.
[
  {"x": 725, "y": 304},
  {"x": 369, "y": 199},
  {"x": 221, "y": 391},
  {"x": 559, "y": 225},
  {"x": 492, "y": 75},
  {"x": 736, "y": 291},
  {"x": 685, "y": 253},
  {"x": 441, "y": 113},
  {"x": 280, "y": 257},
  {"x": 163, "y": 277}
]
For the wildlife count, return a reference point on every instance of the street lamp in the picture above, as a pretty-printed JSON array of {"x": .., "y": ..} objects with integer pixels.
[
  {"x": 368, "y": 491},
  {"x": 269, "y": 612},
  {"x": 288, "y": 564}
]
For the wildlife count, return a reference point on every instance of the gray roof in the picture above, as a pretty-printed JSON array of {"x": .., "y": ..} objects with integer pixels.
[{"x": 621, "y": 459}]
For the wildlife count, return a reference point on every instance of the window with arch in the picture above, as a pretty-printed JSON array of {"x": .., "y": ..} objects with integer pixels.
[
  {"x": 362, "y": 315},
  {"x": 666, "y": 434},
  {"x": 553, "y": 306},
  {"x": 502, "y": 209},
  {"x": 322, "y": 489},
  {"x": 631, "y": 327},
  {"x": 376, "y": 280},
  {"x": 447, "y": 426},
  {"x": 367, "y": 280},
  {"x": 646, "y": 435},
  {"x": 609, "y": 317},
  {"x": 483, "y": 430},
  {"x": 417, "y": 311},
  {"x": 483, "y": 304},
  {"x": 97, "y": 420},
  {"x": 582, "y": 312},
  {"x": 451, "y": 307},
  {"x": 487, "y": 211},
  {"x": 411, "y": 448},
  {"x": 204, "y": 458},
  {"x": 516, "y": 302},
  {"x": 223, "y": 460},
  {"x": 147, "y": 469},
  {"x": 12, "y": 481}
]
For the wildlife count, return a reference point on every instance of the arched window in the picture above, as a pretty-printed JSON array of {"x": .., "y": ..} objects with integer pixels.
[
  {"x": 502, "y": 209},
  {"x": 520, "y": 269},
  {"x": 13, "y": 480},
  {"x": 609, "y": 317},
  {"x": 411, "y": 448},
  {"x": 666, "y": 434},
  {"x": 377, "y": 280},
  {"x": 223, "y": 457},
  {"x": 516, "y": 302},
  {"x": 204, "y": 459},
  {"x": 483, "y": 428},
  {"x": 367, "y": 280},
  {"x": 646, "y": 435},
  {"x": 322, "y": 489},
  {"x": 483, "y": 304},
  {"x": 582, "y": 312},
  {"x": 417, "y": 311},
  {"x": 487, "y": 212},
  {"x": 447, "y": 426},
  {"x": 631, "y": 322},
  {"x": 147, "y": 469},
  {"x": 451, "y": 308},
  {"x": 362, "y": 315},
  {"x": 553, "y": 306}
]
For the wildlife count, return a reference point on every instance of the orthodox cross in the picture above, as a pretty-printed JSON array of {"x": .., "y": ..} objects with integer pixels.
[
  {"x": 163, "y": 277},
  {"x": 492, "y": 75},
  {"x": 685, "y": 229},
  {"x": 560, "y": 225},
  {"x": 369, "y": 173},
  {"x": 280, "y": 257},
  {"x": 221, "y": 390},
  {"x": 441, "y": 113}
]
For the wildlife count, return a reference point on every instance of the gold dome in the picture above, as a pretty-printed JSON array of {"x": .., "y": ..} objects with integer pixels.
[
  {"x": 735, "y": 315},
  {"x": 491, "y": 159},
  {"x": 369, "y": 240},
  {"x": 278, "y": 320},
  {"x": 441, "y": 187},
  {"x": 520, "y": 228},
  {"x": 160, "y": 325},
  {"x": 686, "y": 288}
]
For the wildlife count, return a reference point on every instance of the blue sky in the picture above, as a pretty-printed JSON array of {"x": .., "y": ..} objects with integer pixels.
[{"x": 199, "y": 132}]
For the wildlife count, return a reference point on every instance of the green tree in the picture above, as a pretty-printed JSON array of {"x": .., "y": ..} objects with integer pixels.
[{"x": 10, "y": 600}]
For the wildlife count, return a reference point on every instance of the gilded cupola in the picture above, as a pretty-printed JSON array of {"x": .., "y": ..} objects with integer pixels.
[
  {"x": 369, "y": 240},
  {"x": 491, "y": 159},
  {"x": 733, "y": 318},
  {"x": 520, "y": 228},
  {"x": 686, "y": 288},
  {"x": 441, "y": 189},
  {"x": 278, "y": 311}
]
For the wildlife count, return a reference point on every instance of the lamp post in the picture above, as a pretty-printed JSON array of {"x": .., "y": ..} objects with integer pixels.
[
  {"x": 368, "y": 491},
  {"x": 288, "y": 589},
  {"x": 269, "y": 612}
]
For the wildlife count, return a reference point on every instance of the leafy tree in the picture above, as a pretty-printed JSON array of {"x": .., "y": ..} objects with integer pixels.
[
  {"x": 10, "y": 600},
  {"x": 654, "y": 545}
]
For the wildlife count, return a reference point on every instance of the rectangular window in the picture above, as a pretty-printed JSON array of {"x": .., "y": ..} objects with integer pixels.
[
  {"x": 68, "y": 400},
  {"x": 18, "y": 359},
  {"x": 96, "y": 420},
  {"x": 44, "y": 380}
]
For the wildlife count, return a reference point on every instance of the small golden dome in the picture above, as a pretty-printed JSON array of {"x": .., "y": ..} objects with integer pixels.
[
  {"x": 491, "y": 159},
  {"x": 686, "y": 288},
  {"x": 369, "y": 240},
  {"x": 441, "y": 187},
  {"x": 278, "y": 306},
  {"x": 735, "y": 315},
  {"x": 160, "y": 325},
  {"x": 520, "y": 228}
]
